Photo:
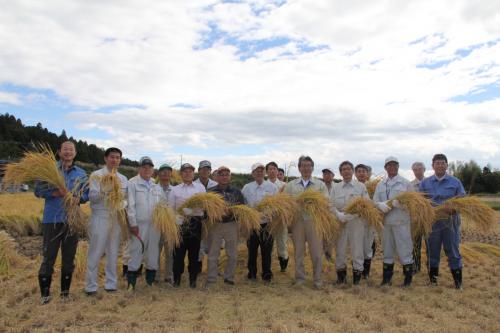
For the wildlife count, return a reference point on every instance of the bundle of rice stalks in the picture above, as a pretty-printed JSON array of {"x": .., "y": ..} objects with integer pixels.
[
  {"x": 482, "y": 215},
  {"x": 212, "y": 203},
  {"x": 248, "y": 219},
  {"x": 8, "y": 254},
  {"x": 420, "y": 210},
  {"x": 371, "y": 185},
  {"x": 41, "y": 165},
  {"x": 280, "y": 210},
  {"x": 16, "y": 225},
  {"x": 367, "y": 210},
  {"x": 317, "y": 207},
  {"x": 164, "y": 220}
]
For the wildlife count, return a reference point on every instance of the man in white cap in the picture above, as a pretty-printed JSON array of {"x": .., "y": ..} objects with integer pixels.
[
  {"x": 303, "y": 230},
  {"x": 418, "y": 169},
  {"x": 353, "y": 229},
  {"x": 253, "y": 193},
  {"x": 226, "y": 229},
  {"x": 396, "y": 238},
  {"x": 104, "y": 231},
  {"x": 204, "y": 173},
  {"x": 281, "y": 240},
  {"x": 164, "y": 176},
  {"x": 191, "y": 228},
  {"x": 143, "y": 195}
]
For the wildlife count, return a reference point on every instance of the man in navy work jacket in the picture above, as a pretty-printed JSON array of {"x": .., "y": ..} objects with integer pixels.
[
  {"x": 54, "y": 224},
  {"x": 446, "y": 230}
]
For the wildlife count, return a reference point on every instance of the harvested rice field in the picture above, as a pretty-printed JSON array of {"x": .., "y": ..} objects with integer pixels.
[{"x": 250, "y": 306}]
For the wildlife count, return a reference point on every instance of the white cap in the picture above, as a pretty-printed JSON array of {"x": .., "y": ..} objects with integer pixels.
[
  {"x": 257, "y": 165},
  {"x": 391, "y": 159},
  {"x": 328, "y": 169}
]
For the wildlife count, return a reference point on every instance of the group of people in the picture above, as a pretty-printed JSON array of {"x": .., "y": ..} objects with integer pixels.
[{"x": 143, "y": 192}]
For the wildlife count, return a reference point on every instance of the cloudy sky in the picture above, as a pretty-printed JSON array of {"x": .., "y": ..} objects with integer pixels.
[{"x": 243, "y": 81}]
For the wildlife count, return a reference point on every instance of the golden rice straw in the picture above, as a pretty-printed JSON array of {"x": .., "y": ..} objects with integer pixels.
[
  {"x": 8, "y": 254},
  {"x": 248, "y": 220},
  {"x": 317, "y": 206},
  {"x": 472, "y": 209},
  {"x": 371, "y": 185},
  {"x": 41, "y": 165},
  {"x": 367, "y": 210},
  {"x": 280, "y": 210},
  {"x": 114, "y": 198},
  {"x": 164, "y": 220},
  {"x": 212, "y": 203},
  {"x": 421, "y": 212}
]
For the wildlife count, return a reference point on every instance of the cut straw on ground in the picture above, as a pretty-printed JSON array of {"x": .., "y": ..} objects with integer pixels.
[
  {"x": 248, "y": 220},
  {"x": 317, "y": 207},
  {"x": 164, "y": 220},
  {"x": 367, "y": 210},
  {"x": 421, "y": 212},
  {"x": 470, "y": 207},
  {"x": 280, "y": 211},
  {"x": 212, "y": 204},
  {"x": 9, "y": 257}
]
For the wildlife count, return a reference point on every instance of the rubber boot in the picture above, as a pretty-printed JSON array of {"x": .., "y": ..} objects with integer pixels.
[
  {"x": 124, "y": 270},
  {"x": 356, "y": 277},
  {"x": 65, "y": 283},
  {"x": 44, "y": 282},
  {"x": 283, "y": 264},
  {"x": 388, "y": 270},
  {"x": 408, "y": 273},
  {"x": 131, "y": 279},
  {"x": 192, "y": 281},
  {"x": 150, "y": 276},
  {"x": 342, "y": 277},
  {"x": 433, "y": 275},
  {"x": 366, "y": 268},
  {"x": 457, "y": 277}
]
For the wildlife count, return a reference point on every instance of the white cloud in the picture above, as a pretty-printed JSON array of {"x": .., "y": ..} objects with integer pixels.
[
  {"x": 10, "y": 98},
  {"x": 362, "y": 98}
]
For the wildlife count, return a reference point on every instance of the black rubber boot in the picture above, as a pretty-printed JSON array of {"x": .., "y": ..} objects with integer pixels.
[
  {"x": 65, "y": 283},
  {"x": 387, "y": 274},
  {"x": 177, "y": 280},
  {"x": 342, "y": 277},
  {"x": 131, "y": 279},
  {"x": 283, "y": 264},
  {"x": 366, "y": 268},
  {"x": 124, "y": 270},
  {"x": 433, "y": 275},
  {"x": 356, "y": 277},
  {"x": 150, "y": 276},
  {"x": 44, "y": 282},
  {"x": 457, "y": 277},
  {"x": 192, "y": 281},
  {"x": 408, "y": 273}
]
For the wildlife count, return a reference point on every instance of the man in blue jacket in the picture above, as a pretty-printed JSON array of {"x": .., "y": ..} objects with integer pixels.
[
  {"x": 54, "y": 224},
  {"x": 446, "y": 230}
]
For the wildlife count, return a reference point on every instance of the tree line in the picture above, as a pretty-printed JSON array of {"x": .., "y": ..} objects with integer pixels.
[
  {"x": 16, "y": 138},
  {"x": 476, "y": 179}
]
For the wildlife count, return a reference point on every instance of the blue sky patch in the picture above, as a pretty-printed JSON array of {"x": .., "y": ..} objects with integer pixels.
[{"x": 480, "y": 94}]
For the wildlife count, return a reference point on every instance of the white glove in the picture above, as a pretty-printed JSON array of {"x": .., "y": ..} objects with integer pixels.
[
  {"x": 342, "y": 217},
  {"x": 383, "y": 206},
  {"x": 179, "y": 219},
  {"x": 396, "y": 203},
  {"x": 124, "y": 204},
  {"x": 187, "y": 211},
  {"x": 350, "y": 217}
]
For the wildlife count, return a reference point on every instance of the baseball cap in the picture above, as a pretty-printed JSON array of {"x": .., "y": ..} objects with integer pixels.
[
  {"x": 391, "y": 159},
  {"x": 187, "y": 166},
  {"x": 205, "y": 164},
  {"x": 146, "y": 160},
  {"x": 328, "y": 169},
  {"x": 165, "y": 166},
  {"x": 223, "y": 168},
  {"x": 257, "y": 165}
]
